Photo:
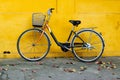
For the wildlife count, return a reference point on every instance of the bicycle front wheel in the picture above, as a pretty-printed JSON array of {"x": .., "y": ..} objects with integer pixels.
[
  {"x": 87, "y": 45},
  {"x": 33, "y": 44}
]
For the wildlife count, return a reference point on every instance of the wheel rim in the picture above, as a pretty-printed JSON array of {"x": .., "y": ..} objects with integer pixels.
[
  {"x": 30, "y": 48},
  {"x": 92, "y": 47}
]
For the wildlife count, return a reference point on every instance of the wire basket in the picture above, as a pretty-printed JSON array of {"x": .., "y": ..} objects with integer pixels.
[{"x": 38, "y": 19}]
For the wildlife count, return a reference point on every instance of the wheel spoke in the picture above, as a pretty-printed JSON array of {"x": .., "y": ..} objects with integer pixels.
[
  {"x": 94, "y": 43},
  {"x": 90, "y": 37}
]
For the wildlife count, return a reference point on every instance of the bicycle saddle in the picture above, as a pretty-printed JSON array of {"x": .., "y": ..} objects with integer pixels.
[{"x": 75, "y": 22}]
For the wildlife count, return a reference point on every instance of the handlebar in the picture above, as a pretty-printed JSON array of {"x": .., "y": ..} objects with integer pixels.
[{"x": 50, "y": 11}]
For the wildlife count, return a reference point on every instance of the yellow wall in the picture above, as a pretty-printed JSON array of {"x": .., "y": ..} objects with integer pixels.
[{"x": 15, "y": 17}]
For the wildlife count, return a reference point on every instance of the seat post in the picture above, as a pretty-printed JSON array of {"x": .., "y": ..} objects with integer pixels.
[
  {"x": 71, "y": 33},
  {"x": 73, "y": 28}
]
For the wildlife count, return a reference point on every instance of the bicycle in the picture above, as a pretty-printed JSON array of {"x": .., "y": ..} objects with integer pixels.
[{"x": 87, "y": 45}]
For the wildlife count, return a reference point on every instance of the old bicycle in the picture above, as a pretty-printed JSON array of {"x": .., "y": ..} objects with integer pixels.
[{"x": 87, "y": 45}]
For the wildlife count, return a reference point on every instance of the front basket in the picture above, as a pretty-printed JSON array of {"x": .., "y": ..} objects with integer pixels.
[{"x": 38, "y": 19}]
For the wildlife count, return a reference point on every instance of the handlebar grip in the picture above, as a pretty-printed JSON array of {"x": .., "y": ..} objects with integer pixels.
[{"x": 51, "y": 9}]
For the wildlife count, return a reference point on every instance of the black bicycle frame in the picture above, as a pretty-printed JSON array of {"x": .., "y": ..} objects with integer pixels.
[
  {"x": 56, "y": 41},
  {"x": 61, "y": 44}
]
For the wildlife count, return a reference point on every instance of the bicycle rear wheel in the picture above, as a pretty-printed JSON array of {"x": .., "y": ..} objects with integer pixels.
[
  {"x": 87, "y": 45},
  {"x": 33, "y": 44}
]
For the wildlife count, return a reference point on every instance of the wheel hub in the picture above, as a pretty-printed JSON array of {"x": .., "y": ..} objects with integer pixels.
[
  {"x": 87, "y": 46},
  {"x": 33, "y": 45}
]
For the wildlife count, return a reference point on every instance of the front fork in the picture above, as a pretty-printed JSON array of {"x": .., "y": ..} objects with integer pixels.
[{"x": 42, "y": 33}]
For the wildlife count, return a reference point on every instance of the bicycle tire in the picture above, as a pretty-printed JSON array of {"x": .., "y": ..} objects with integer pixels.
[
  {"x": 87, "y": 51},
  {"x": 29, "y": 48}
]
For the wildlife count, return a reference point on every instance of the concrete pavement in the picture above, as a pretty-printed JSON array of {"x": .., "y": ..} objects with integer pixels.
[{"x": 107, "y": 68}]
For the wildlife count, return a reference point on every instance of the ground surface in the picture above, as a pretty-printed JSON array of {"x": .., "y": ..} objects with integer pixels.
[{"x": 107, "y": 68}]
